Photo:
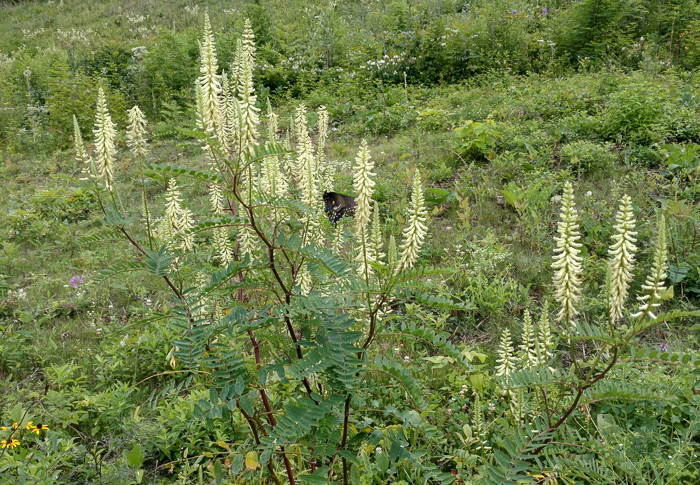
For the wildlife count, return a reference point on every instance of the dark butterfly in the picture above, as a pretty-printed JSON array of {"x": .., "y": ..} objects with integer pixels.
[{"x": 337, "y": 205}]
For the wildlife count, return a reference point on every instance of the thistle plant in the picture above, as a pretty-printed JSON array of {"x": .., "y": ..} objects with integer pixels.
[{"x": 105, "y": 132}]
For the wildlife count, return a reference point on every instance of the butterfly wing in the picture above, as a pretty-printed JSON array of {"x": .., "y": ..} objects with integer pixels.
[{"x": 337, "y": 205}]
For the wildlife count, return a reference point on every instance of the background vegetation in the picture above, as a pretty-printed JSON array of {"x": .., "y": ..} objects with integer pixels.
[{"x": 498, "y": 103}]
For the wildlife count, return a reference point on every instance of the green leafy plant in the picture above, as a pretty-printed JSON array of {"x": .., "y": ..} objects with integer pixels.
[
  {"x": 476, "y": 139},
  {"x": 284, "y": 321}
]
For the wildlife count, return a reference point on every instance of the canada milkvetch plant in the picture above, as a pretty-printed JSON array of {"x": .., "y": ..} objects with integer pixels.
[
  {"x": 269, "y": 301},
  {"x": 555, "y": 382}
]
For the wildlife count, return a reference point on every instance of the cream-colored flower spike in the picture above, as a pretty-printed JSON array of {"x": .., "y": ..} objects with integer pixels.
[
  {"x": 621, "y": 258},
  {"x": 653, "y": 286},
  {"x": 248, "y": 44},
  {"x": 209, "y": 81},
  {"x": 179, "y": 218},
  {"x": 81, "y": 156},
  {"x": 545, "y": 341},
  {"x": 528, "y": 352},
  {"x": 567, "y": 262},
  {"x": 505, "y": 355},
  {"x": 377, "y": 243},
  {"x": 416, "y": 229},
  {"x": 136, "y": 132},
  {"x": 250, "y": 120},
  {"x": 105, "y": 131},
  {"x": 364, "y": 187},
  {"x": 304, "y": 148}
]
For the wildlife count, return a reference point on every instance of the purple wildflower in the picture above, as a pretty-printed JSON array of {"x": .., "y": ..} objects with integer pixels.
[
  {"x": 544, "y": 11},
  {"x": 663, "y": 347},
  {"x": 76, "y": 280}
]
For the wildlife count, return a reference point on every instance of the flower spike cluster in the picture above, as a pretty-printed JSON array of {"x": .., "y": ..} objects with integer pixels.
[
  {"x": 654, "y": 282},
  {"x": 105, "y": 132},
  {"x": 363, "y": 184},
  {"x": 135, "y": 132},
  {"x": 621, "y": 258},
  {"x": 416, "y": 229},
  {"x": 567, "y": 262},
  {"x": 177, "y": 219},
  {"x": 209, "y": 81},
  {"x": 505, "y": 355}
]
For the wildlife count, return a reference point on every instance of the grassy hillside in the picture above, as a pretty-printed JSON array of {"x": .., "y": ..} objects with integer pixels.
[{"x": 251, "y": 340}]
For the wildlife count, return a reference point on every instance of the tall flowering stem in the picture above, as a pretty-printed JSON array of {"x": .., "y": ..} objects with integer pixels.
[
  {"x": 653, "y": 286},
  {"x": 621, "y": 262},
  {"x": 363, "y": 184},
  {"x": 136, "y": 141},
  {"x": 567, "y": 262},
  {"x": 81, "y": 157},
  {"x": 209, "y": 81},
  {"x": 105, "y": 132},
  {"x": 416, "y": 229}
]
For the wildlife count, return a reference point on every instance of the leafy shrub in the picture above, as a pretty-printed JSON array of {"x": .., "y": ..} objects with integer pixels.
[
  {"x": 632, "y": 112},
  {"x": 476, "y": 139},
  {"x": 586, "y": 156}
]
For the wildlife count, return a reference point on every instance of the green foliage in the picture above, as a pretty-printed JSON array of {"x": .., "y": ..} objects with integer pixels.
[
  {"x": 477, "y": 140},
  {"x": 585, "y": 156}
]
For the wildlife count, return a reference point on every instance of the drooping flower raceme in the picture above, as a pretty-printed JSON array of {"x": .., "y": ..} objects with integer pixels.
[
  {"x": 180, "y": 219},
  {"x": 653, "y": 286},
  {"x": 567, "y": 262},
  {"x": 363, "y": 184},
  {"x": 105, "y": 132},
  {"x": 621, "y": 258},
  {"x": 209, "y": 81},
  {"x": 528, "y": 352},
  {"x": 416, "y": 229},
  {"x": 135, "y": 132},
  {"x": 377, "y": 243},
  {"x": 545, "y": 341},
  {"x": 221, "y": 240},
  {"x": 505, "y": 355},
  {"x": 81, "y": 156},
  {"x": 246, "y": 99}
]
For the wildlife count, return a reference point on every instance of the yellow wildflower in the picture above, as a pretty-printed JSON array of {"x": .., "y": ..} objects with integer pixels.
[{"x": 9, "y": 443}]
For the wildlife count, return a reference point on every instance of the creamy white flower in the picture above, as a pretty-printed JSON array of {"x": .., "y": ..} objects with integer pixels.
[
  {"x": 105, "y": 132},
  {"x": 416, "y": 228},
  {"x": 621, "y": 258},
  {"x": 567, "y": 262},
  {"x": 654, "y": 282}
]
